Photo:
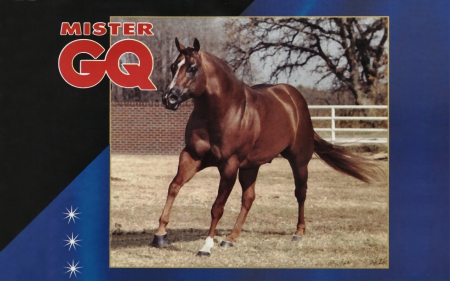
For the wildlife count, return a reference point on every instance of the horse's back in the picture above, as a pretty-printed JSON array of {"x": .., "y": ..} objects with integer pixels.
[
  {"x": 286, "y": 105},
  {"x": 283, "y": 92},
  {"x": 284, "y": 97}
]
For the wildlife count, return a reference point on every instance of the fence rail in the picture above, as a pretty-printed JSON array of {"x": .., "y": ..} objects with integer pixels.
[{"x": 352, "y": 139}]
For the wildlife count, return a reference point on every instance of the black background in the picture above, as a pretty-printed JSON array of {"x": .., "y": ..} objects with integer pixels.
[{"x": 49, "y": 130}]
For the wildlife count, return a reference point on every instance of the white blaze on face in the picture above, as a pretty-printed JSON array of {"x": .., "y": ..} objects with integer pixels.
[
  {"x": 209, "y": 243},
  {"x": 174, "y": 80}
]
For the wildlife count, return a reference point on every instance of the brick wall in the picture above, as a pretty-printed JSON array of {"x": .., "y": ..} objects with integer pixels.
[{"x": 147, "y": 128}]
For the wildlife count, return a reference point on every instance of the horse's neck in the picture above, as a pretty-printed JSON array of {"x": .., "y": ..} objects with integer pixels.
[{"x": 224, "y": 90}]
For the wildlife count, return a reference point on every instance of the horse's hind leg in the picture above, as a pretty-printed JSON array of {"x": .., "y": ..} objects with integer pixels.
[
  {"x": 300, "y": 177},
  {"x": 187, "y": 168},
  {"x": 247, "y": 179},
  {"x": 300, "y": 171}
]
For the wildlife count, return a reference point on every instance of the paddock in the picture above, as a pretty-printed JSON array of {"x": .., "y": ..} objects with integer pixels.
[{"x": 347, "y": 220}]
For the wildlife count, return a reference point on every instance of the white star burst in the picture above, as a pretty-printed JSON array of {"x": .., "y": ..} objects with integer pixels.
[
  {"x": 73, "y": 268},
  {"x": 71, "y": 215},
  {"x": 72, "y": 242}
]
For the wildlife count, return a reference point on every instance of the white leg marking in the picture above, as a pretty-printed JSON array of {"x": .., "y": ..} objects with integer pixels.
[
  {"x": 174, "y": 80},
  {"x": 209, "y": 243}
]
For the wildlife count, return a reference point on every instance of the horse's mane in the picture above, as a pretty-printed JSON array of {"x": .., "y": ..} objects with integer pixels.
[
  {"x": 260, "y": 86},
  {"x": 218, "y": 62}
]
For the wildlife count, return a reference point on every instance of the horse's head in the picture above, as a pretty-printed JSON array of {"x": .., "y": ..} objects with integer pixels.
[{"x": 188, "y": 79}]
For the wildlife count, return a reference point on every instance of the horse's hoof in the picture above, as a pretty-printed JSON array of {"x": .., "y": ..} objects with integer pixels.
[
  {"x": 226, "y": 244},
  {"x": 203, "y": 254},
  {"x": 296, "y": 238},
  {"x": 159, "y": 241}
]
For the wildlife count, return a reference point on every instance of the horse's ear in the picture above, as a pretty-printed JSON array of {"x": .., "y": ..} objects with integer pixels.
[
  {"x": 196, "y": 45},
  {"x": 180, "y": 46}
]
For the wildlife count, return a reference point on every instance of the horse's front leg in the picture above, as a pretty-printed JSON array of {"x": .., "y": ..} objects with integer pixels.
[
  {"x": 247, "y": 179},
  {"x": 187, "y": 168},
  {"x": 228, "y": 172}
]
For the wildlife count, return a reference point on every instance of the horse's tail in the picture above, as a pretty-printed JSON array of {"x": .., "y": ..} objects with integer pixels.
[{"x": 344, "y": 161}]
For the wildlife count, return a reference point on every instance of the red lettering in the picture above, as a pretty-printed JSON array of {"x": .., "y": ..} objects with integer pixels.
[
  {"x": 128, "y": 28},
  {"x": 99, "y": 28},
  {"x": 138, "y": 73},
  {"x": 67, "y": 29},
  {"x": 144, "y": 28},
  {"x": 87, "y": 28},
  {"x": 93, "y": 71},
  {"x": 114, "y": 28},
  {"x": 87, "y": 79}
]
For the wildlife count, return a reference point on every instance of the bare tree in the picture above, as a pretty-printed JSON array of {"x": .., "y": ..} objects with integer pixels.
[{"x": 351, "y": 53}]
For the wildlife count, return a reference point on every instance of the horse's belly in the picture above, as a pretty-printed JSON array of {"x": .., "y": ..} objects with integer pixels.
[
  {"x": 254, "y": 163},
  {"x": 258, "y": 158}
]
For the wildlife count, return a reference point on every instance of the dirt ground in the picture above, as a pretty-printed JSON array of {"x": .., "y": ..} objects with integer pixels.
[{"x": 347, "y": 220}]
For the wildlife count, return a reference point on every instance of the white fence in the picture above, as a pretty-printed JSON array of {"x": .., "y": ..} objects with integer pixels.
[{"x": 381, "y": 133}]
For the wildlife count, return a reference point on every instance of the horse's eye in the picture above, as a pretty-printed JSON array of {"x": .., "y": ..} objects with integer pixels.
[{"x": 192, "y": 69}]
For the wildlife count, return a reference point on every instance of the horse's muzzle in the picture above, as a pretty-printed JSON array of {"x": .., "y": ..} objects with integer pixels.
[{"x": 172, "y": 99}]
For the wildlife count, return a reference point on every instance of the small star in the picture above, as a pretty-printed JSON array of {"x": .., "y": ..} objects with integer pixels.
[
  {"x": 72, "y": 242},
  {"x": 71, "y": 215},
  {"x": 73, "y": 268}
]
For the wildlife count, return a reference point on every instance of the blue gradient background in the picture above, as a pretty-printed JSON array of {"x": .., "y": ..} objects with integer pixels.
[{"x": 419, "y": 169}]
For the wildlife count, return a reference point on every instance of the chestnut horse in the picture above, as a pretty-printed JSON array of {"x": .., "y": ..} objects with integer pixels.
[{"x": 235, "y": 127}]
